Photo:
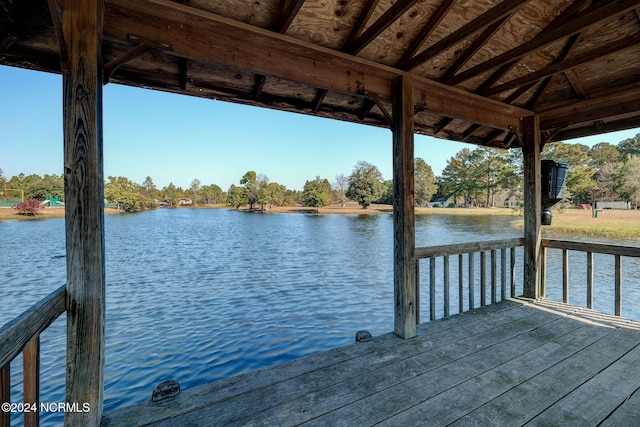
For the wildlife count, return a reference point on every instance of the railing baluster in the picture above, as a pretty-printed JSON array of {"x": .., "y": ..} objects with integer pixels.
[
  {"x": 483, "y": 278},
  {"x": 445, "y": 267},
  {"x": 494, "y": 288},
  {"x": 589, "y": 279},
  {"x": 513, "y": 272},
  {"x": 565, "y": 276},
  {"x": 543, "y": 272},
  {"x": 472, "y": 291},
  {"x": 5, "y": 394},
  {"x": 460, "y": 284},
  {"x": 31, "y": 375},
  {"x": 418, "y": 291},
  {"x": 503, "y": 274},
  {"x": 432, "y": 289},
  {"x": 618, "y": 285}
]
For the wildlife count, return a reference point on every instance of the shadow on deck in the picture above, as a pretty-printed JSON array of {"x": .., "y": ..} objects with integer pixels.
[{"x": 510, "y": 363}]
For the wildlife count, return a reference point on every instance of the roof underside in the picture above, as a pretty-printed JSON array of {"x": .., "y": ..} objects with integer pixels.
[{"x": 478, "y": 65}]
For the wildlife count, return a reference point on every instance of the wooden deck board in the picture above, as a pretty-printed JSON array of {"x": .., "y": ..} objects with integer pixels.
[{"x": 509, "y": 363}]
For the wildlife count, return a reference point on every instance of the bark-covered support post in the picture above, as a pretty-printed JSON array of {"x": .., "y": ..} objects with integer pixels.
[
  {"x": 532, "y": 205},
  {"x": 404, "y": 272},
  {"x": 84, "y": 203}
]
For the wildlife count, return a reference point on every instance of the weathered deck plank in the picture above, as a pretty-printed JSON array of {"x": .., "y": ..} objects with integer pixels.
[
  {"x": 509, "y": 363},
  {"x": 224, "y": 390}
]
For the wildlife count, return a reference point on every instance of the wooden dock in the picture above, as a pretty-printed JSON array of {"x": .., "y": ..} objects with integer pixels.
[{"x": 511, "y": 363}]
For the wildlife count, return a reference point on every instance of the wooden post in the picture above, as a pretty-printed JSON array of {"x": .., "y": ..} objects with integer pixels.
[
  {"x": 5, "y": 394},
  {"x": 403, "y": 209},
  {"x": 84, "y": 204},
  {"x": 532, "y": 205},
  {"x": 31, "y": 380}
]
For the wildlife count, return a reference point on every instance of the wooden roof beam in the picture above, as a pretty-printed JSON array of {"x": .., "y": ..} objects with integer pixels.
[
  {"x": 431, "y": 24},
  {"x": 317, "y": 102},
  {"x": 472, "y": 49},
  {"x": 116, "y": 63},
  {"x": 201, "y": 35},
  {"x": 389, "y": 17},
  {"x": 290, "y": 9},
  {"x": 361, "y": 23},
  {"x": 567, "y": 64},
  {"x": 564, "y": 17},
  {"x": 589, "y": 110},
  {"x": 610, "y": 126},
  {"x": 504, "y": 8},
  {"x": 596, "y": 13},
  {"x": 22, "y": 28}
]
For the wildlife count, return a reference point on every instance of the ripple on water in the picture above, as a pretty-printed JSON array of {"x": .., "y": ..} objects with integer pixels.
[{"x": 200, "y": 295}]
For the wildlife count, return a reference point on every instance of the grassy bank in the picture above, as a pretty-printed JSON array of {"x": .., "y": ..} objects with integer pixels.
[
  {"x": 12, "y": 214},
  {"x": 610, "y": 224}
]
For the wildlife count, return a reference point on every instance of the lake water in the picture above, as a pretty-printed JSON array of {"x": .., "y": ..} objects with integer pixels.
[{"x": 198, "y": 295}]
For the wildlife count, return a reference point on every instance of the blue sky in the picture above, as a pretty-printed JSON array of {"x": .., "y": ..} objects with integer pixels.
[{"x": 175, "y": 138}]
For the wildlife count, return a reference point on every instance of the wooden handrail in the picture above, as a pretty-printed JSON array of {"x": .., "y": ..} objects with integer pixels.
[
  {"x": 590, "y": 248},
  {"x": 17, "y": 333},
  {"x": 601, "y": 248},
  {"x": 22, "y": 334},
  {"x": 470, "y": 249},
  {"x": 465, "y": 248}
]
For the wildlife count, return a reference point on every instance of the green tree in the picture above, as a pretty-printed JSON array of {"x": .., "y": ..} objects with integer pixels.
[
  {"x": 263, "y": 191},
  {"x": 629, "y": 179},
  {"x": 602, "y": 153},
  {"x": 211, "y": 194},
  {"x": 340, "y": 187},
  {"x": 194, "y": 187},
  {"x": 171, "y": 194},
  {"x": 3, "y": 180},
  {"x": 581, "y": 180},
  {"x": 365, "y": 184},
  {"x": 459, "y": 179},
  {"x": 277, "y": 194},
  {"x": 249, "y": 180},
  {"x": 149, "y": 186},
  {"x": 387, "y": 193},
  {"x": 123, "y": 192},
  {"x": 237, "y": 196},
  {"x": 316, "y": 193},
  {"x": 424, "y": 182},
  {"x": 630, "y": 146},
  {"x": 48, "y": 186}
]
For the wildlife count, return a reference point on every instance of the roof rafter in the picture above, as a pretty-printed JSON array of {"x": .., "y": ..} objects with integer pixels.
[
  {"x": 389, "y": 17},
  {"x": 417, "y": 42},
  {"x": 592, "y": 109},
  {"x": 565, "y": 65},
  {"x": 596, "y": 13},
  {"x": 23, "y": 27},
  {"x": 498, "y": 12},
  {"x": 471, "y": 50},
  {"x": 290, "y": 9},
  {"x": 571, "y": 43},
  {"x": 560, "y": 20},
  {"x": 272, "y": 54}
]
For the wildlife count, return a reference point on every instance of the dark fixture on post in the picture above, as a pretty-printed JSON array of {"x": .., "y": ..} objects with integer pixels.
[{"x": 553, "y": 175}]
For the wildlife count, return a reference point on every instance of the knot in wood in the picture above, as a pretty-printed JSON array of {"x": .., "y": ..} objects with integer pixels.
[
  {"x": 362, "y": 336},
  {"x": 165, "y": 390}
]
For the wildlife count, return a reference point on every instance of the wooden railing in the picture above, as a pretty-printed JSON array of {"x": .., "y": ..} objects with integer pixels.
[
  {"x": 589, "y": 249},
  {"x": 22, "y": 335},
  {"x": 434, "y": 252}
]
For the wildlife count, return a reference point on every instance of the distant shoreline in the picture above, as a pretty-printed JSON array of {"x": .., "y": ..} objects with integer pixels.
[{"x": 610, "y": 224}]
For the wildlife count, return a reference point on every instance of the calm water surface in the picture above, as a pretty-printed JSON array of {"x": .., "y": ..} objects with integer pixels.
[{"x": 198, "y": 295}]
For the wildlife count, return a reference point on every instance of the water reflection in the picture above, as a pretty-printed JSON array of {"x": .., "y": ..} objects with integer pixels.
[{"x": 199, "y": 295}]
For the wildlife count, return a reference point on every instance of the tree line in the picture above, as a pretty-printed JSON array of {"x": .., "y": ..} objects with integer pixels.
[
  {"x": 478, "y": 177},
  {"x": 604, "y": 172}
]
